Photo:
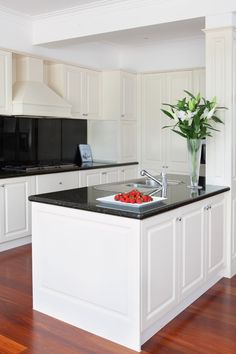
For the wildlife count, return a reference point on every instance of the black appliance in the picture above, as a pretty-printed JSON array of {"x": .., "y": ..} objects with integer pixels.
[{"x": 37, "y": 143}]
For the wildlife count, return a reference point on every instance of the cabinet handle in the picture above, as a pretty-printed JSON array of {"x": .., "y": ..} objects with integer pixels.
[
  {"x": 123, "y": 171},
  {"x": 179, "y": 219},
  {"x": 104, "y": 173},
  {"x": 122, "y": 115},
  {"x": 207, "y": 207},
  {"x": 85, "y": 114}
]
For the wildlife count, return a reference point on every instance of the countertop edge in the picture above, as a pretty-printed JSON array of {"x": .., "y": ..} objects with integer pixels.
[{"x": 128, "y": 214}]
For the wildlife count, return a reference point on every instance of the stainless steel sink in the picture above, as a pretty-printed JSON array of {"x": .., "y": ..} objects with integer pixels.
[{"x": 152, "y": 184}]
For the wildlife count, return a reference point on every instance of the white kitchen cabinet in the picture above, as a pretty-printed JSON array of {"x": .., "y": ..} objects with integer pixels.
[
  {"x": 119, "y": 93},
  {"x": 80, "y": 87},
  {"x": 128, "y": 172},
  {"x": 15, "y": 210},
  {"x": 5, "y": 82},
  {"x": 215, "y": 210},
  {"x": 182, "y": 251},
  {"x": 176, "y": 146},
  {"x": 54, "y": 182},
  {"x": 159, "y": 261},
  {"x": 162, "y": 147},
  {"x": 93, "y": 177},
  {"x": 192, "y": 247}
]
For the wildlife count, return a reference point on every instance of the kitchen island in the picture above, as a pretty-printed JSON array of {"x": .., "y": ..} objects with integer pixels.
[{"x": 122, "y": 273}]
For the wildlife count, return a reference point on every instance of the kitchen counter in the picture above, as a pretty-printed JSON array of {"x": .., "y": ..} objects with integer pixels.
[
  {"x": 85, "y": 198},
  {"x": 63, "y": 168}
]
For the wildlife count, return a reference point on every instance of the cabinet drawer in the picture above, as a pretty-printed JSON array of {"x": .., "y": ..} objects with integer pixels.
[{"x": 56, "y": 182}]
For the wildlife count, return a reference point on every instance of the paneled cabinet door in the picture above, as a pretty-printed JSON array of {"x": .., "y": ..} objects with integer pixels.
[
  {"x": 92, "y": 91},
  {"x": 91, "y": 178},
  {"x": 128, "y": 141},
  {"x": 128, "y": 96},
  {"x": 192, "y": 249},
  {"x": 15, "y": 214},
  {"x": 111, "y": 175},
  {"x": 159, "y": 261},
  {"x": 176, "y": 146},
  {"x": 215, "y": 234},
  {"x": 74, "y": 90},
  {"x": 128, "y": 172},
  {"x": 5, "y": 82},
  {"x": 153, "y": 136}
]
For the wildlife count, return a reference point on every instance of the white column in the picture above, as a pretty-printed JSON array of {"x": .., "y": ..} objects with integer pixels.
[{"x": 221, "y": 149}]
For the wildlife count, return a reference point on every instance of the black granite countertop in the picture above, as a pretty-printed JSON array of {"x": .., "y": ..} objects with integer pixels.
[
  {"x": 85, "y": 198},
  {"x": 63, "y": 168}
]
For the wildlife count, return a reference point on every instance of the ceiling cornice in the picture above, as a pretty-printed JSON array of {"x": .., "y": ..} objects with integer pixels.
[
  {"x": 20, "y": 16},
  {"x": 104, "y": 4}
]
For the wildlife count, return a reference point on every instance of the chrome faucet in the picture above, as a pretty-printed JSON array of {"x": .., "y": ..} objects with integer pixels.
[{"x": 162, "y": 183}]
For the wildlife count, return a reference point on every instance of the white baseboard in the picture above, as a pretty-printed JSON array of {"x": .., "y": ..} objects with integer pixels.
[{"x": 15, "y": 243}]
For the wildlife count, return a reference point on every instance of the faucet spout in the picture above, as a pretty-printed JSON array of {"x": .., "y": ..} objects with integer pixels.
[
  {"x": 147, "y": 174},
  {"x": 162, "y": 183}
]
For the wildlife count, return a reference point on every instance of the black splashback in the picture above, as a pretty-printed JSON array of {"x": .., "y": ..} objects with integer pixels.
[{"x": 40, "y": 140}]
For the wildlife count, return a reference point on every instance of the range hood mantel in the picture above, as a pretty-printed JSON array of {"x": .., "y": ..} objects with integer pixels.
[{"x": 30, "y": 94}]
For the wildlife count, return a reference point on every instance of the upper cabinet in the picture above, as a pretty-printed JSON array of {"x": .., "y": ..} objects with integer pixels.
[
  {"x": 80, "y": 87},
  {"x": 161, "y": 147},
  {"x": 5, "y": 82},
  {"x": 119, "y": 91}
]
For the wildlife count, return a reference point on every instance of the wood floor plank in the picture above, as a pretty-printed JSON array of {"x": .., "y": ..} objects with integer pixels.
[
  {"x": 8, "y": 346},
  {"x": 208, "y": 326}
]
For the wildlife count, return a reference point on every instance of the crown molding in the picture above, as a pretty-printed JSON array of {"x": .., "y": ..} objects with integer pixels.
[
  {"x": 20, "y": 16},
  {"x": 101, "y": 5}
]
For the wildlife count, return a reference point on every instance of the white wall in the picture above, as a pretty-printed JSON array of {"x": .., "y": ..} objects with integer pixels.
[
  {"x": 182, "y": 54},
  {"x": 16, "y": 35}
]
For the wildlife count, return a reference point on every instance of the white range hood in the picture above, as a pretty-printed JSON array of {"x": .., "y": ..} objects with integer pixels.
[{"x": 30, "y": 94}]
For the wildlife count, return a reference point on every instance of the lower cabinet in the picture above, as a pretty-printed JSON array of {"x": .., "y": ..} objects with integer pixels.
[
  {"x": 182, "y": 251},
  {"x": 56, "y": 182},
  {"x": 15, "y": 211},
  {"x": 109, "y": 175}
]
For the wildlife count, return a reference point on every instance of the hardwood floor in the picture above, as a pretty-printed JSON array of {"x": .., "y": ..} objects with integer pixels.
[{"x": 208, "y": 326}]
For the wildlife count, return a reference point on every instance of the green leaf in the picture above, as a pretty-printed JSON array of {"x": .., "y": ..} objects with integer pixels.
[
  {"x": 177, "y": 132},
  {"x": 167, "y": 126},
  {"x": 167, "y": 113},
  {"x": 190, "y": 94},
  {"x": 170, "y": 105},
  {"x": 217, "y": 120}
]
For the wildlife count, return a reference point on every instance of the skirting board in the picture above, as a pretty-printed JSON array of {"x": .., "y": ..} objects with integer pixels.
[{"x": 15, "y": 243}]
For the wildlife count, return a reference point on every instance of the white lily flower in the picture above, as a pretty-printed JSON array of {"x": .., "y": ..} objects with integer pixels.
[
  {"x": 181, "y": 115},
  {"x": 210, "y": 114},
  {"x": 190, "y": 114},
  {"x": 205, "y": 113}
]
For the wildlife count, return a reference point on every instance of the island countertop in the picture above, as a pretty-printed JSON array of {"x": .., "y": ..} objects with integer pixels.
[{"x": 86, "y": 198}]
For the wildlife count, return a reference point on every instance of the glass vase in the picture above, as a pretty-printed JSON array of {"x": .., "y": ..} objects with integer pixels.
[{"x": 194, "y": 156}]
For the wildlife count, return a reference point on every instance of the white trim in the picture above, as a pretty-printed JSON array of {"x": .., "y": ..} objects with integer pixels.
[{"x": 15, "y": 243}]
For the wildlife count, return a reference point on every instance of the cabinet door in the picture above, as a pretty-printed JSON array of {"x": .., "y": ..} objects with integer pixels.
[
  {"x": 192, "y": 254},
  {"x": 159, "y": 259},
  {"x": 199, "y": 82},
  {"x": 128, "y": 172},
  {"x": 5, "y": 82},
  {"x": 111, "y": 175},
  {"x": 56, "y": 182},
  {"x": 153, "y": 136},
  {"x": 92, "y": 99},
  {"x": 128, "y": 96},
  {"x": 128, "y": 141},
  {"x": 15, "y": 213},
  {"x": 74, "y": 90},
  {"x": 91, "y": 178},
  {"x": 216, "y": 234},
  {"x": 176, "y": 146}
]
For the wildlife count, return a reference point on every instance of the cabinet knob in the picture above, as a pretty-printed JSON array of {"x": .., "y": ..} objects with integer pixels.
[
  {"x": 60, "y": 182},
  {"x": 2, "y": 185},
  {"x": 104, "y": 173},
  {"x": 85, "y": 114},
  {"x": 179, "y": 218},
  {"x": 207, "y": 207},
  {"x": 122, "y": 115}
]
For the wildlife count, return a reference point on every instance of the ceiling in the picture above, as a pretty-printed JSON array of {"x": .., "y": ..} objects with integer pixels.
[{"x": 38, "y": 7}]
